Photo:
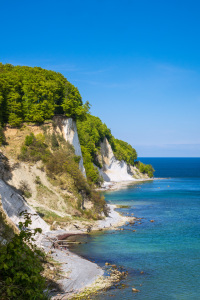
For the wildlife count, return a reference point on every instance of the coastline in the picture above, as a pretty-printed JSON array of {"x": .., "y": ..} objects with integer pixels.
[
  {"x": 79, "y": 275},
  {"x": 116, "y": 185}
]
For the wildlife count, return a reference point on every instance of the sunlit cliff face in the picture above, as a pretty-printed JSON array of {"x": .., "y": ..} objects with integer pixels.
[{"x": 71, "y": 135}]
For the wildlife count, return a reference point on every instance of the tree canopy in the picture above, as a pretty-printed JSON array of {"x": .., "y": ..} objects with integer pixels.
[{"x": 35, "y": 95}]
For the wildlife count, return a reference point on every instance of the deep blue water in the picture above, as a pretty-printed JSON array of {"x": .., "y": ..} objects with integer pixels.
[{"x": 167, "y": 250}]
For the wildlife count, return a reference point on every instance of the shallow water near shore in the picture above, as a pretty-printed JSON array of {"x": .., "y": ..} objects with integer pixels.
[{"x": 166, "y": 251}]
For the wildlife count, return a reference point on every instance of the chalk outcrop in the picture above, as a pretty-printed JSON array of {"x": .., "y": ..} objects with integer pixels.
[
  {"x": 13, "y": 204},
  {"x": 112, "y": 169},
  {"x": 69, "y": 131}
]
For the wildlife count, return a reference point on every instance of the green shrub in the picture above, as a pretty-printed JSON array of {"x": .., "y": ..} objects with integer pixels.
[
  {"x": 2, "y": 136},
  {"x": 25, "y": 189},
  {"x": 54, "y": 141},
  {"x": 34, "y": 149},
  {"x": 21, "y": 266},
  {"x": 29, "y": 139},
  {"x": 37, "y": 180},
  {"x": 145, "y": 169}
]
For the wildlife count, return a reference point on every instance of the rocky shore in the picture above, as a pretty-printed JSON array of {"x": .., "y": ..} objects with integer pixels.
[{"x": 80, "y": 276}]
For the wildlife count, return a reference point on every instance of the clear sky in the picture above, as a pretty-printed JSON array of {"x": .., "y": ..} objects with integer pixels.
[{"x": 136, "y": 62}]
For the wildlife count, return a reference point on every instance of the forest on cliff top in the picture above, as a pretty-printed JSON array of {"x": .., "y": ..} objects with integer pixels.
[{"x": 30, "y": 94}]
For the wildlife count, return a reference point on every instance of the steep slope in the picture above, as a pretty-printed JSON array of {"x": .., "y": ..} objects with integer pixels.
[
  {"x": 13, "y": 204},
  {"x": 113, "y": 169},
  {"x": 104, "y": 155},
  {"x": 67, "y": 127},
  {"x": 44, "y": 168}
]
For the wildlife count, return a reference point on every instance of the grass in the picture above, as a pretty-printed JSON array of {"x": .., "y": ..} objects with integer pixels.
[
  {"x": 50, "y": 216},
  {"x": 46, "y": 196}
]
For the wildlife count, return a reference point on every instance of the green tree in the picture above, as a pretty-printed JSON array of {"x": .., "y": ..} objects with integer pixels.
[
  {"x": 73, "y": 105},
  {"x": 35, "y": 95}
]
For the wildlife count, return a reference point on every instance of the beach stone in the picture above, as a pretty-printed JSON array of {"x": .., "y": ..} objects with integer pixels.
[
  {"x": 142, "y": 272},
  {"x": 134, "y": 290},
  {"x": 132, "y": 222},
  {"x": 107, "y": 264},
  {"x": 134, "y": 230},
  {"x": 152, "y": 221}
]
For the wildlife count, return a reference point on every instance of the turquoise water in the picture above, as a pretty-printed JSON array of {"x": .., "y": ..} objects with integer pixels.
[{"x": 167, "y": 250}]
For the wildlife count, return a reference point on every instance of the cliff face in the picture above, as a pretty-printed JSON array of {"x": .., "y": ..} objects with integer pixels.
[
  {"x": 113, "y": 169},
  {"x": 69, "y": 131},
  {"x": 12, "y": 203}
]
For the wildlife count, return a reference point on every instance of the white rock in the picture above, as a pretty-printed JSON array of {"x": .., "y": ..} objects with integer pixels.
[
  {"x": 71, "y": 135},
  {"x": 113, "y": 169}
]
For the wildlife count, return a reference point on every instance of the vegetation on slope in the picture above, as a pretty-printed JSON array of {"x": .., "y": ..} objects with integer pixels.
[
  {"x": 21, "y": 266},
  {"x": 145, "y": 169},
  {"x": 2, "y": 136},
  {"x": 35, "y": 95},
  {"x": 62, "y": 167},
  {"x": 91, "y": 133}
]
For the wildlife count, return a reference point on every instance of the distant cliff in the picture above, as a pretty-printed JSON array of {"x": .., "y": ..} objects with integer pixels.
[
  {"x": 106, "y": 157},
  {"x": 114, "y": 169}
]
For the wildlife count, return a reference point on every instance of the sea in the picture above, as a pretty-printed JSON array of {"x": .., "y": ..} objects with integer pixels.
[{"x": 162, "y": 258}]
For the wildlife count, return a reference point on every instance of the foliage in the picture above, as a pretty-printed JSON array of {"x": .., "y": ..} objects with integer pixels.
[
  {"x": 25, "y": 189},
  {"x": 20, "y": 265},
  {"x": 35, "y": 95},
  {"x": 92, "y": 132},
  {"x": 34, "y": 149},
  {"x": 54, "y": 141},
  {"x": 148, "y": 169},
  {"x": 61, "y": 162},
  {"x": 73, "y": 105},
  {"x": 2, "y": 136},
  {"x": 91, "y": 171},
  {"x": 124, "y": 151},
  {"x": 50, "y": 216},
  {"x": 37, "y": 180}
]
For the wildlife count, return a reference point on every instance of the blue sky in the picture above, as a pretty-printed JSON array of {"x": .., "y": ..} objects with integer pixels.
[{"x": 136, "y": 62}]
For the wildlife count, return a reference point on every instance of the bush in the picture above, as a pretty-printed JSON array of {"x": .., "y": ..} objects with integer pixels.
[
  {"x": 2, "y": 136},
  {"x": 25, "y": 189},
  {"x": 37, "y": 180},
  {"x": 34, "y": 149},
  {"x": 54, "y": 141},
  {"x": 145, "y": 169},
  {"x": 21, "y": 265}
]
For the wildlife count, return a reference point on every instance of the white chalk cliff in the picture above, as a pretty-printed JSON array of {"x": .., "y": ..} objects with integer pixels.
[
  {"x": 71, "y": 135},
  {"x": 13, "y": 203},
  {"x": 113, "y": 169}
]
